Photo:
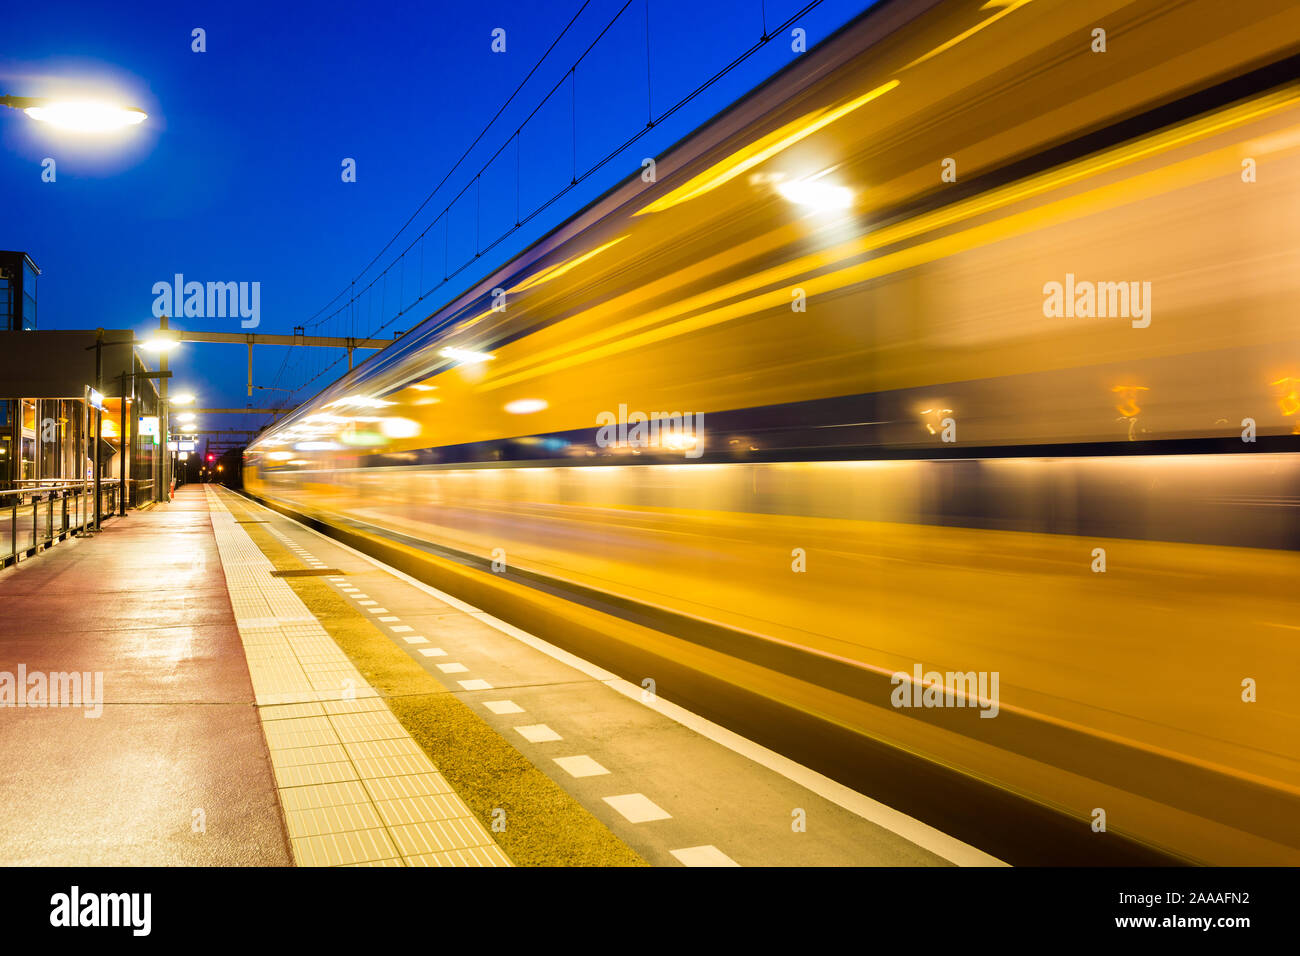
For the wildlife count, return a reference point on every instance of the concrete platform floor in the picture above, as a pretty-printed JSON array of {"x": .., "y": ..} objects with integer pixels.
[{"x": 174, "y": 770}]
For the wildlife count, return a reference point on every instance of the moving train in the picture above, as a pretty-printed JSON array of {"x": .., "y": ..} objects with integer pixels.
[{"x": 967, "y": 343}]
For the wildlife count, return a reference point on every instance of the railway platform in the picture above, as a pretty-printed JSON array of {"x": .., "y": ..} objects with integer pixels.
[{"x": 251, "y": 692}]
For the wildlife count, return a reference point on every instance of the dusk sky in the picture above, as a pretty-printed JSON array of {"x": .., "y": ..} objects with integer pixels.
[{"x": 236, "y": 176}]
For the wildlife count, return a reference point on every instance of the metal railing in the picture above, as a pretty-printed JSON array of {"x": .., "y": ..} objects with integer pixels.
[{"x": 39, "y": 513}]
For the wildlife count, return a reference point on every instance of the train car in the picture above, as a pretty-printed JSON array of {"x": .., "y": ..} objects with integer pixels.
[{"x": 966, "y": 344}]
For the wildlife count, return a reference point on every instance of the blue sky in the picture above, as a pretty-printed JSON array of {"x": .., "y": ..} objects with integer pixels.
[{"x": 236, "y": 175}]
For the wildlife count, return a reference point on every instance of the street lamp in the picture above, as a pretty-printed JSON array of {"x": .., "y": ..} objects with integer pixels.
[
  {"x": 80, "y": 116},
  {"x": 77, "y": 115},
  {"x": 184, "y": 398},
  {"x": 160, "y": 341}
]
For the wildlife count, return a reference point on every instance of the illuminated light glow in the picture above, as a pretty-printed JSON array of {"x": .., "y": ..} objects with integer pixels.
[
  {"x": 425, "y": 388},
  {"x": 184, "y": 398},
  {"x": 317, "y": 446},
  {"x": 559, "y": 269},
  {"x": 278, "y": 455},
  {"x": 764, "y": 149},
  {"x": 525, "y": 406},
  {"x": 299, "y": 461},
  {"x": 186, "y": 417},
  {"x": 1009, "y": 6},
  {"x": 159, "y": 344},
  {"x": 87, "y": 116},
  {"x": 364, "y": 439},
  {"x": 817, "y": 194},
  {"x": 464, "y": 355},
  {"x": 359, "y": 401},
  {"x": 708, "y": 307},
  {"x": 399, "y": 427}
]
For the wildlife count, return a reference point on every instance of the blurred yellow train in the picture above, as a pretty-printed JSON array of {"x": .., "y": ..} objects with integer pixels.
[{"x": 969, "y": 342}]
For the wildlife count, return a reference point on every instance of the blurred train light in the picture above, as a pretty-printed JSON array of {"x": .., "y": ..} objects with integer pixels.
[
  {"x": 399, "y": 427},
  {"x": 278, "y": 456},
  {"x": 525, "y": 406},
  {"x": 317, "y": 446},
  {"x": 819, "y": 195},
  {"x": 359, "y": 401},
  {"x": 464, "y": 356}
]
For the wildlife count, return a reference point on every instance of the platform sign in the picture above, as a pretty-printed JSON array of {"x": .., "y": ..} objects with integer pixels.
[
  {"x": 94, "y": 399},
  {"x": 185, "y": 446}
]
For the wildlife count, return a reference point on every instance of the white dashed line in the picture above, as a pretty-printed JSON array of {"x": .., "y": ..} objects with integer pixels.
[
  {"x": 538, "y": 733},
  {"x": 474, "y": 684},
  {"x": 453, "y": 668},
  {"x": 427, "y": 651},
  {"x": 638, "y": 808},
  {"x": 707, "y": 855},
  {"x": 580, "y": 766},
  {"x": 502, "y": 706}
]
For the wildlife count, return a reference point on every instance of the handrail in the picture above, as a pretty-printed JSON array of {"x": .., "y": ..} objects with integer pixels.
[
  {"x": 37, "y": 517},
  {"x": 78, "y": 487}
]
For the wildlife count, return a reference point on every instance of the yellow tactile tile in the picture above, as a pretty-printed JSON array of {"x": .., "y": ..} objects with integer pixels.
[
  {"x": 336, "y": 849},
  {"x": 421, "y": 809},
  {"x": 356, "y": 789},
  {"x": 324, "y": 795},
  {"x": 437, "y": 836},
  {"x": 314, "y": 774},
  {"x": 412, "y": 785},
  {"x": 303, "y": 756},
  {"x": 343, "y": 818},
  {"x": 370, "y": 767},
  {"x": 398, "y": 747},
  {"x": 377, "y": 863},
  {"x": 473, "y": 856}
]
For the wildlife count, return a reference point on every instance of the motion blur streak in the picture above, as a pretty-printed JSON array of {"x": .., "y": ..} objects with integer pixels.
[{"x": 830, "y": 347}]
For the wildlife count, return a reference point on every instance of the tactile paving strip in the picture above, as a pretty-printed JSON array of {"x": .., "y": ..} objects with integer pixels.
[{"x": 356, "y": 789}]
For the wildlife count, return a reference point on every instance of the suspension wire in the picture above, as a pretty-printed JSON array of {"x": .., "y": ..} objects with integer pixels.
[{"x": 578, "y": 179}]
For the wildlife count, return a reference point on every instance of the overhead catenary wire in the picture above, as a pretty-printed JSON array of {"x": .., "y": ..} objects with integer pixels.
[{"x": 578, "y": 178}]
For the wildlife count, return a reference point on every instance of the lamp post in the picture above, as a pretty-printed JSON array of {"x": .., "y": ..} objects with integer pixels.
[{"x": 163, "y": 342}]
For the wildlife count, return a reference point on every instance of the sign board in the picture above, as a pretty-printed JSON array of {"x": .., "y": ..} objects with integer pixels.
[
  {"x": 148, "y": 426},
  {"x": 94, "y": 399},
  {"x": 180, "y": 446}
]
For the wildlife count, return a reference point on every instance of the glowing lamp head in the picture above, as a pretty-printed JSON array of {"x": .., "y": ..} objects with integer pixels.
[
  {"x": 160, "y": 342},
  {"x": 86, "y": 116}
]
